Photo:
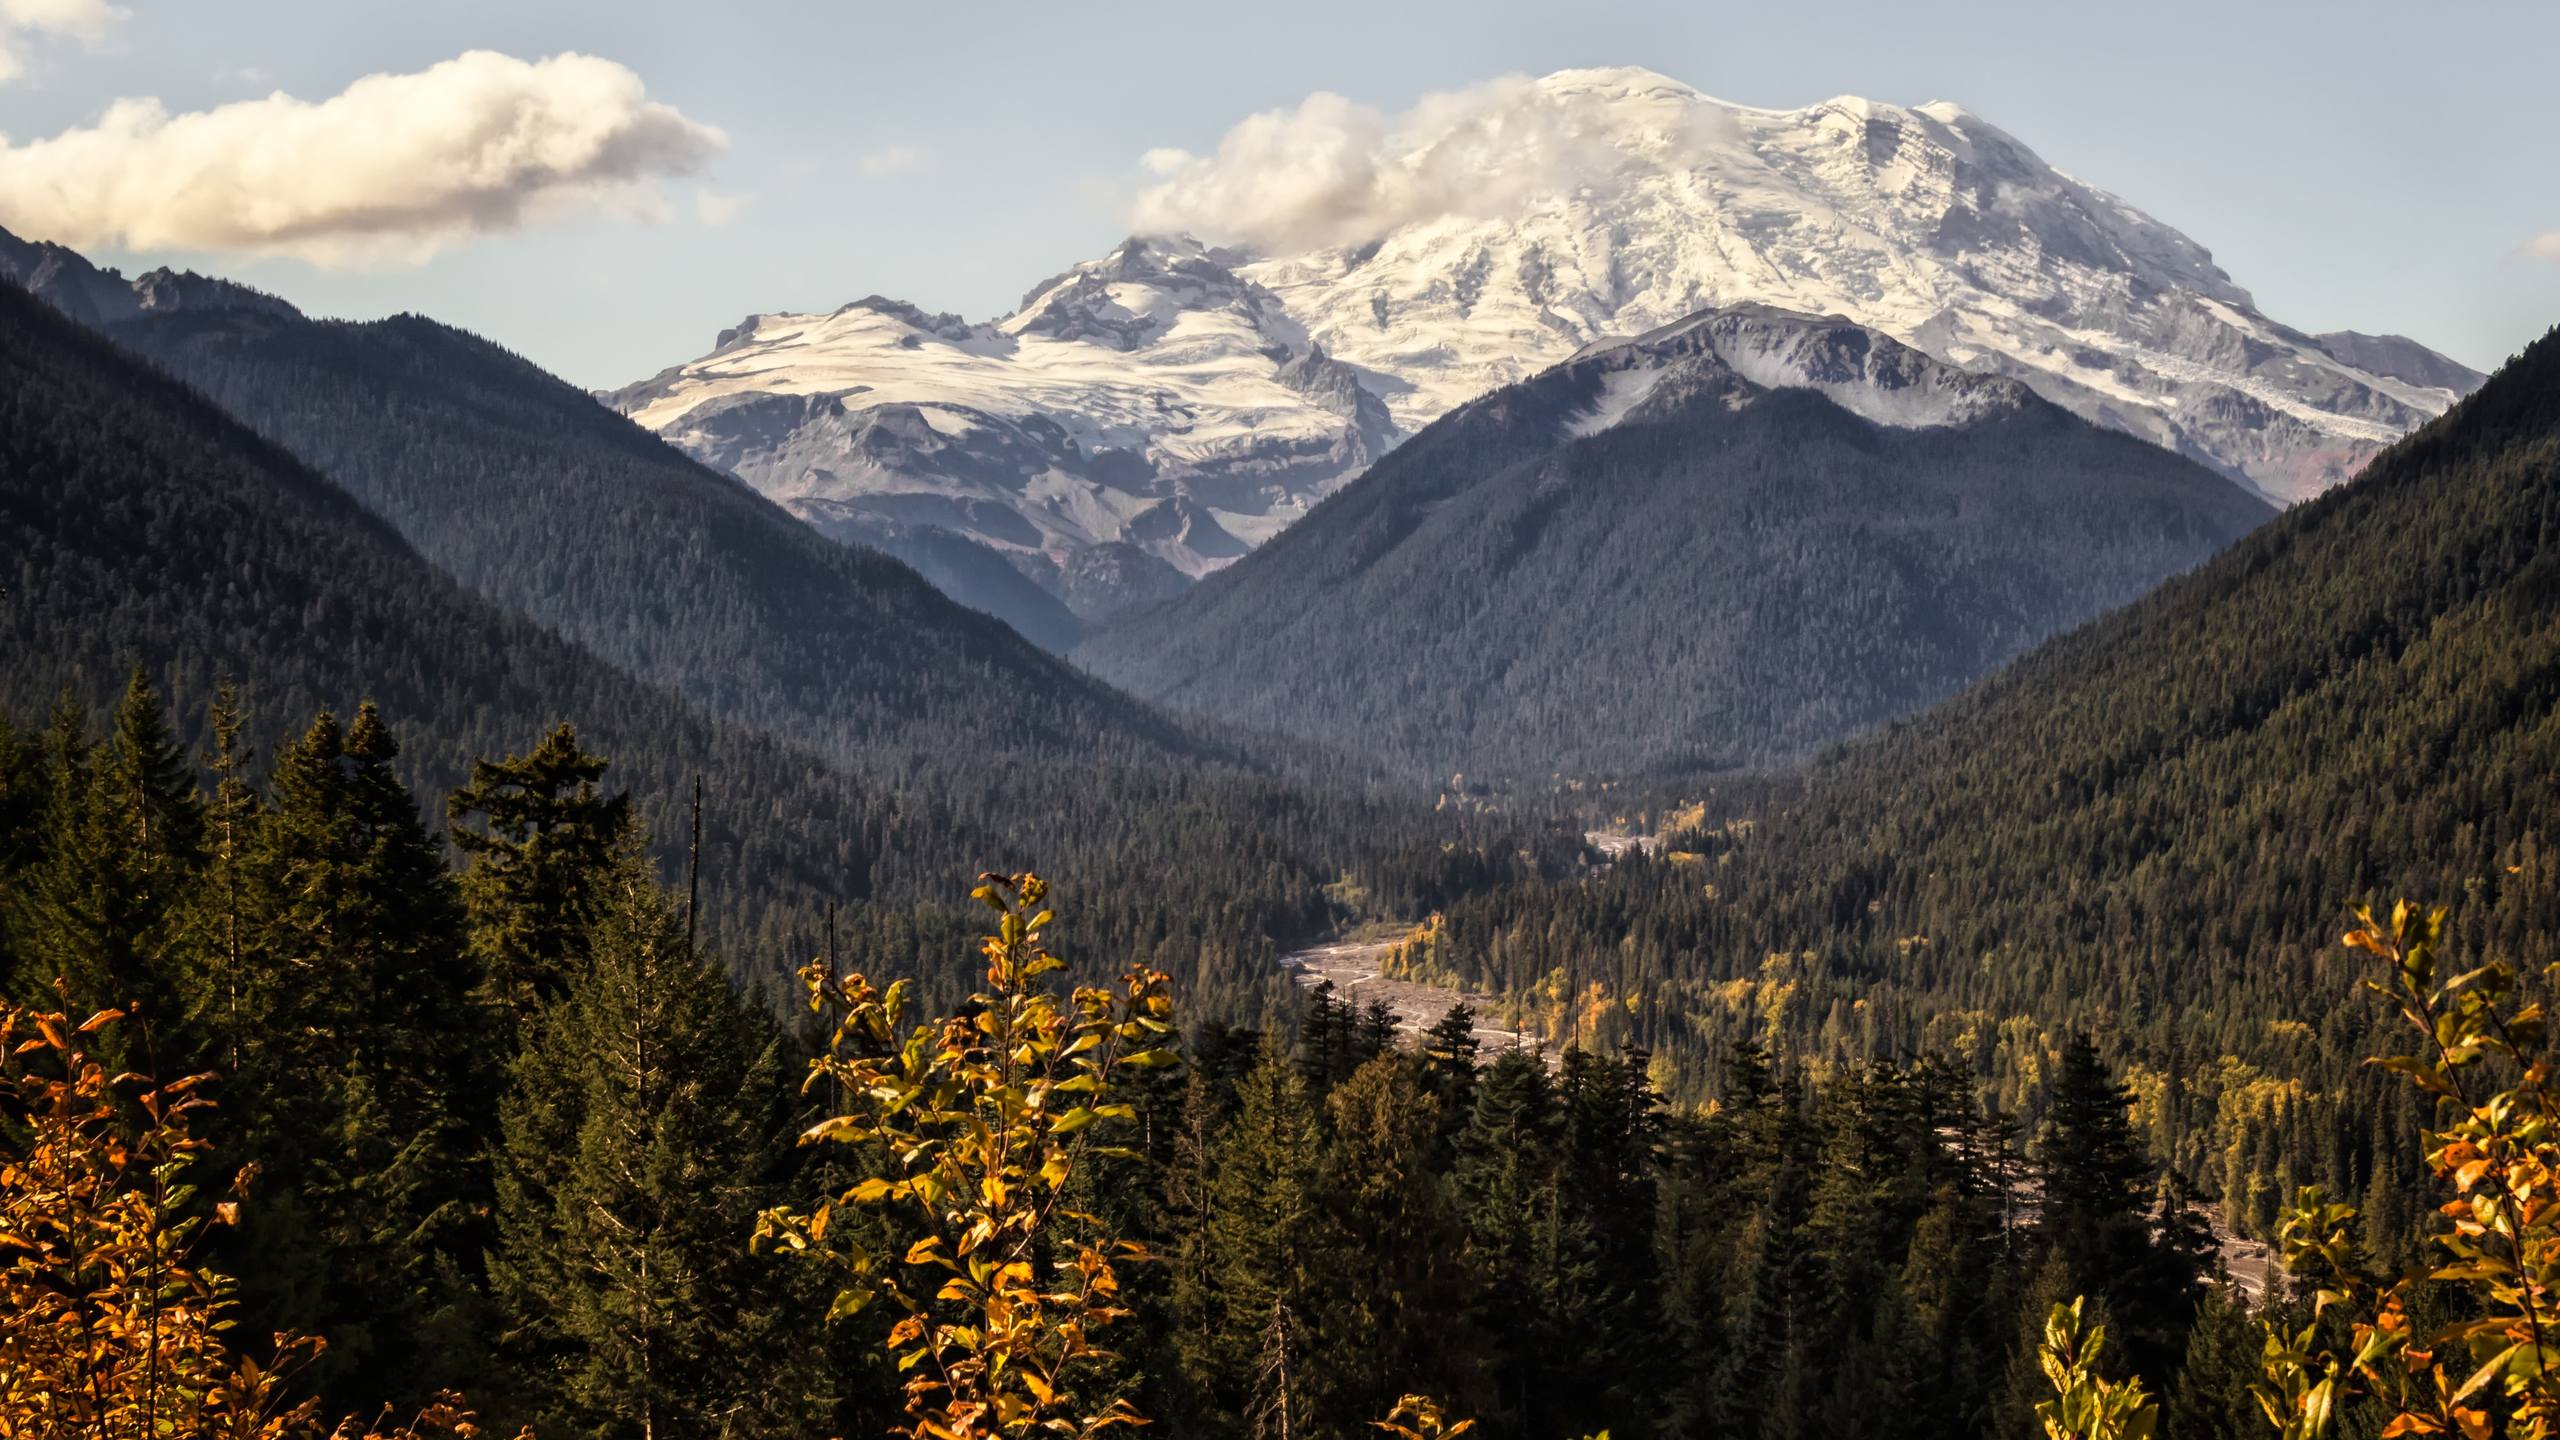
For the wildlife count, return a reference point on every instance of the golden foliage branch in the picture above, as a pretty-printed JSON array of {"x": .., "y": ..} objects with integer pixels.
[
  {"x": 2495, "y": 1372},
  {"x": 2085, "y": 1404},
  {"x": 981, "y": 1120},
  {"x": 111, "y": 1327}
]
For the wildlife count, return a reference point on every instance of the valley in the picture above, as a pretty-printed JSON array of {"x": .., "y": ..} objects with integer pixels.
[{"x": 917, "y": 872}]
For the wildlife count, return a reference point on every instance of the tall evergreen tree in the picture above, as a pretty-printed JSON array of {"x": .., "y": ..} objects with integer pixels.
[
  {"x": 218, "y": 963},
  {"x": 2094, "y": 1173},
  {"x": 1940, "y": 1359},
  {"x": 1766, "y": 1305},
  {"x": 2210, "y": 1398},
  {"x": 1609, "y": 1162},
  {"x": 2023, "y": 1385},
  {"x": 1408, "y": 1262},
  {"x": 1377, "y": 1032},
  {"x": 1530, "y": 1248},
  {"x": 1328, "y": 1038},
  {"x": 1271, "y": 1256},
  {"x": 22, "y": 797},
  {"x": 122, "y": 821},
  {"x": 539, "y": 838},
  {"x": 639, "y": 1131},
  {"x": 346, "y": 1015},
  {"x": 2116, "y": 1235},
  {"x": 1448, "y": 1056}
]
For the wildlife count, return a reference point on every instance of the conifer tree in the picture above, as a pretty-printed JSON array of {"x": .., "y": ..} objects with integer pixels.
[
  {"x": 1377, "y": 1032},
  {"x": 1449, "y": 1050},
  {"x": 21, "y": 830},
  {"x": 1939, "y": 1370},
  {"x": 1408, "y": 1262},
  {"x": 1605, "y": 1185},
  {"x": 349, "y": 1022},
  {"x": 538, "y": 838},
  {"x": 122, "y": 824},
  {"x": 1272, "y": 1259},
  {"x": 1190, "y": 1261},
  {"x": 2097, "y": 1206},
  {"x": 1448, "y": 1057},
  {"x": 2094, "y": 1173},
  {"x": 218, "y": 966},
  {"x": 2024, "y": 1385},
  {"x": 1766, "y": 1305},
  {"x": 2211, "y": 1398},
  {"x": 1328, "y": 1039},
  {"x": 1693, "y": 1241},
  {"x": 638, "y": 1131},
  {"x": 1531, "y": 1251}
]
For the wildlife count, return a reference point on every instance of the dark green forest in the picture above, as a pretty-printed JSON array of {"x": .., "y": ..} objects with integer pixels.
[
  {"x": 2147, "y": 828},
  {"x": 501, "y": 1126},
  {"x": 1728, "y": 577}
]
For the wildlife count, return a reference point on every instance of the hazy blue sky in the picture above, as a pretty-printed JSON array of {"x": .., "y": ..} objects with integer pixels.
[{"x": 2384, "y": 167}]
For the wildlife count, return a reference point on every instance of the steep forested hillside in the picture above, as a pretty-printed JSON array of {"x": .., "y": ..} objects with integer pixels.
[
  {"x": 530, "y": 492},
  {"x": 1643, "y": 560},
  {"x": 144, "y": 527},
  {"x": 2152, "y": 825}
]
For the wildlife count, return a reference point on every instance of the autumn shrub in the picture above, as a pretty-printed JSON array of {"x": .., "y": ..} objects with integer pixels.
[{"x": 111, "y": 1326}]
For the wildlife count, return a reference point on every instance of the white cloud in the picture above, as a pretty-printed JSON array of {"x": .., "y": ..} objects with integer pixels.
[
  {"x": 389, "y": 171},
  {"x": 891, "y": 160},
  {"x": 86, "y": 20},
  {"x": 2545, "y": 246},
  {"x": 1333, "y": 171},
  {"x": 715, "y": 209}
]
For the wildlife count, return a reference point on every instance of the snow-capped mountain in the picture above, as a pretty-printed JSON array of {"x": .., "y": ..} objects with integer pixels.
[
  {"x": 1153, "y": 405},
  {"x": 1173, "y": 403},
  {"x": 1725, "y": 542}
]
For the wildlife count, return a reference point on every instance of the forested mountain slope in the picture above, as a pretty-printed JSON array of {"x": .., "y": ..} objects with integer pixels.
[
  {"x": 1721, "y": 544},
  {"x": 2151, "y": 826},
  {"x": 527, "y": 490},
  {"x": 141, "y": 525}
]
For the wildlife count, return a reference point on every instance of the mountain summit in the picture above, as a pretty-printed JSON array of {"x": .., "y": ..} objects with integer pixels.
[
  {"x": 1926, "y": 223},
  {"x": 1155, "y": 412}
]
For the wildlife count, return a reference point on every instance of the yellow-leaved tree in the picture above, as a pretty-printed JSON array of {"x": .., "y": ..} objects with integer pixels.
[
  {"x": 980, "y": 1121},
  {"x": 2485, "y": 1051},
  {"x": 2484, "y": 1054},
  {"x": 110, "y": 1326}
]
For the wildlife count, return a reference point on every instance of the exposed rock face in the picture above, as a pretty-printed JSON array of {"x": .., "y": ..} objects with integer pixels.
[
  {"x": 2401, "y": 358},
  {"x": 1153, "y": 397},
  {"x": 1925, "y": 223},
  {"x": 93, "y": 296}
]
